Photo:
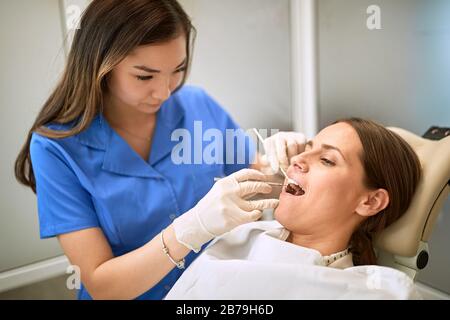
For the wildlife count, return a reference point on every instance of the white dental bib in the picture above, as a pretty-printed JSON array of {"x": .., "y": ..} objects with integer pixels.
[{"x": 254, "y": 261}]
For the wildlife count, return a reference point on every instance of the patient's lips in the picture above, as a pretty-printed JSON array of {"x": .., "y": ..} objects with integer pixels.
[{"x": 295, "y": 189}]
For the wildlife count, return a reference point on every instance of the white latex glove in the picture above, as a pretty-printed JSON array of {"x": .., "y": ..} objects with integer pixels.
[
  {"x": 280, "y": 148},
  {"x": 223, "y": 208}
]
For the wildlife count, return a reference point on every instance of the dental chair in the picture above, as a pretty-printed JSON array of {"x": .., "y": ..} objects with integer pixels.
[{"x": 404, "y": 244}]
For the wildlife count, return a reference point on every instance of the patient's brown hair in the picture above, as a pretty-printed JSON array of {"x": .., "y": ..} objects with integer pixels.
[{"x": 389, "y": 163}]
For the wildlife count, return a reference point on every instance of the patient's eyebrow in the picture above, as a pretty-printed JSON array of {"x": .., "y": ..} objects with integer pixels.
[
  {"x": 150, "y": 70},
  {"x": 326, "y": 146}
]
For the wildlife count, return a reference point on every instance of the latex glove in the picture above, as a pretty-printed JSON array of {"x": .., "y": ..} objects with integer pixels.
[
  {"x": 276, "y": 189},
  {"x": 223, "y": 208},
  {"x": 279, "y": 150}
]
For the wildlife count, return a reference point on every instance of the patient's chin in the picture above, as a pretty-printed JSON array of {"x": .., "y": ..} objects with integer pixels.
[
  {"x": 283, "y": 214},
  {"x": 278, "y": 217},
  {"x": 289, "y": 212}
]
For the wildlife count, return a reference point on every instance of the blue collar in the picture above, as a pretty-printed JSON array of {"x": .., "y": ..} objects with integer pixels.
[{"x": 119, "y": 157}]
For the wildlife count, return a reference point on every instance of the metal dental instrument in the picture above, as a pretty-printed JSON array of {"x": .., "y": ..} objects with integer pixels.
[
  {"x": 281, "y": 169},
  {"x": 277, "y": 184}
]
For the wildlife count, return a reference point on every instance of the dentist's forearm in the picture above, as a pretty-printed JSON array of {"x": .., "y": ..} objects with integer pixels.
[{"x": 130, "y": 275}]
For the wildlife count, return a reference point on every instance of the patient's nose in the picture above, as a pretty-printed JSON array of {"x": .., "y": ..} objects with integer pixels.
[
  {"x": 294, "y": 159},
  {"x": 299, "y": 162}
]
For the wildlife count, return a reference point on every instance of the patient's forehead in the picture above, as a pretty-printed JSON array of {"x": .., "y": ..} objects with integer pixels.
[{"x": 342, "y": 136}]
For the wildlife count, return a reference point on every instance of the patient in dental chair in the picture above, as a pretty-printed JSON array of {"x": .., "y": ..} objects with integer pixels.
[{"x": 357, "y": 178}]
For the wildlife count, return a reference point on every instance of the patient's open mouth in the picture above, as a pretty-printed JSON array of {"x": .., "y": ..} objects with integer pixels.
[{"x": 295, "y": 189}]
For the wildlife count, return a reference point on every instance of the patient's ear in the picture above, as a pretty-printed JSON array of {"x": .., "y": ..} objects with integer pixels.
[{"x": 373, "y": 202}]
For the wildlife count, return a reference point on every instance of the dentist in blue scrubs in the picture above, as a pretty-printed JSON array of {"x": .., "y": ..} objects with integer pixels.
[{"x": 100, "y": 155}]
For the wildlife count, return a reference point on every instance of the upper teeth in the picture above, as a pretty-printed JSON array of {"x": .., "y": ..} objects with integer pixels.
[{"x": 295, "y": 182}]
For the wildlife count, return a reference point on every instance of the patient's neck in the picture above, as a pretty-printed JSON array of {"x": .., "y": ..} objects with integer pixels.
[{"x": 326, "y": 244}]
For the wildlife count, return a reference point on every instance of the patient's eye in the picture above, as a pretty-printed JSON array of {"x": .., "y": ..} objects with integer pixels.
[{"x": 327, "y": 162}]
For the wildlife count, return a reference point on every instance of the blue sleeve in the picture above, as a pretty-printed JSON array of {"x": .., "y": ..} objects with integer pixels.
[
  {"x": 239, "y": 147},
  {"x": 63, "y": 204}
]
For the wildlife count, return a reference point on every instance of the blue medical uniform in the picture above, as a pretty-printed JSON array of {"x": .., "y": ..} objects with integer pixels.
[{"x": 95, "y": 179}]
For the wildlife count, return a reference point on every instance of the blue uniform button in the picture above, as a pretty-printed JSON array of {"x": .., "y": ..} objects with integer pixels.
[
  {"x": 172, "y": 217},
  {"x": 167, "y": 287}
]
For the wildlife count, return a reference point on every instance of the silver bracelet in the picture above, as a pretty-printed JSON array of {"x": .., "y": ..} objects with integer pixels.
[{"x": 179, "y": 264}]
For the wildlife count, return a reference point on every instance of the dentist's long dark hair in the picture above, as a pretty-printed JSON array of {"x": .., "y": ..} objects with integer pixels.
[
  {"x": 390, "y": 163},
  {"x": 109, "y": 31}
]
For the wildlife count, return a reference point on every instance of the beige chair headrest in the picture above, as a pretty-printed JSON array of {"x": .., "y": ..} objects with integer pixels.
[{"x": 403, "y": 237}]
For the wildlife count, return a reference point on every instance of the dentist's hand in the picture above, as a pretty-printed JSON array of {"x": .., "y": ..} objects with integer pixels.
[
  {"x": 280, "y": 148},
  {"x": 223, "y": 208}
]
